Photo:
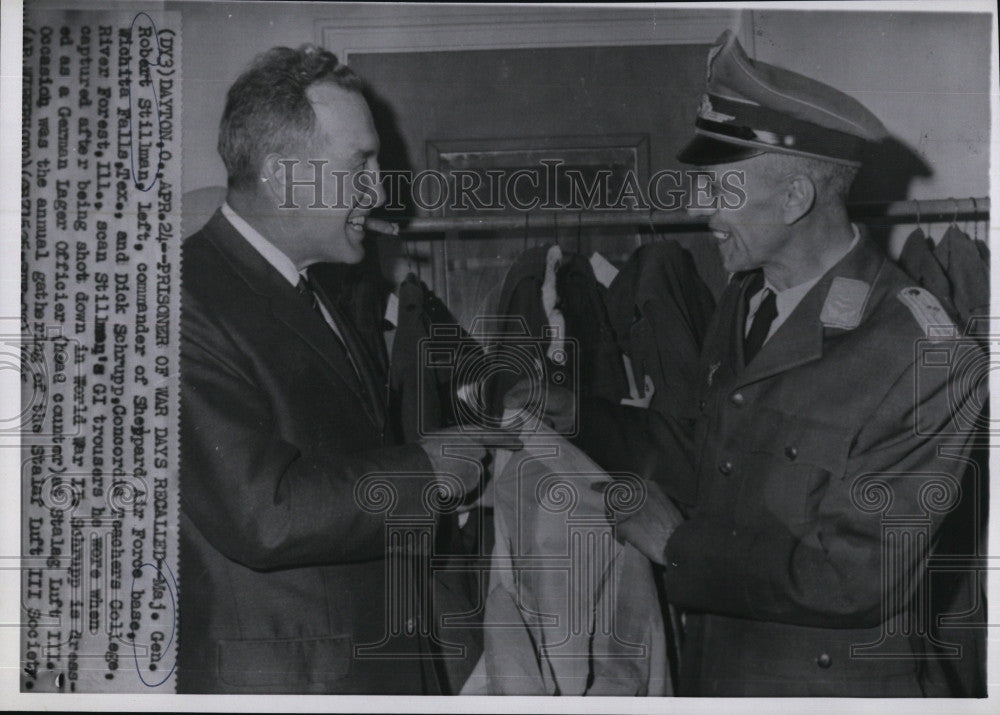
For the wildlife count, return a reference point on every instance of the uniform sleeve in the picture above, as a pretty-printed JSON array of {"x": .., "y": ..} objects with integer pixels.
[
  {"x": 633, "y": 440},
  {"x": 261, "y": 501},
  {"x": 841, "y": 570}
]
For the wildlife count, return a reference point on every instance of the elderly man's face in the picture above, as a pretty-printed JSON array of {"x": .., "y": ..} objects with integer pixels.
[
  {"x": 754, "y": 234},
  {"x": 346, "y": 140}
]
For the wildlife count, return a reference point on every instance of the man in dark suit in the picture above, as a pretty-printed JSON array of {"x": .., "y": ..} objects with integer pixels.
[
  {"x": 289, "y": 471},
  {"x": 824, "y": 451}
]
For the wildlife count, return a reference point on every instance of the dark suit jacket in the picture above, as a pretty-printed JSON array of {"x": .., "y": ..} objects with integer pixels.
[{"x": 283, "y": 575}]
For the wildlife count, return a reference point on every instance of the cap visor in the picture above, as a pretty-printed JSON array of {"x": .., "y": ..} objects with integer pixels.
[{"x": 706, "y": 151}]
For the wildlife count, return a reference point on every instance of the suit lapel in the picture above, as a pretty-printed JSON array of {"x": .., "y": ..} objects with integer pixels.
[
  {"x": 747, "y": 283},
  {"x": 313, "y": 330},
  {"x": 287, "y": 306},
  {"x": 797, "y": 341},
  {"x": 723, "y": 348},
  {"x": 363, "y": 359},
  {"x": 800, "y": 338}
]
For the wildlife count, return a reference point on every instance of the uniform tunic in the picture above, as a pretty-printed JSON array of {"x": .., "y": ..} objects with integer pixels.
[{"x": 820, "y": 474}]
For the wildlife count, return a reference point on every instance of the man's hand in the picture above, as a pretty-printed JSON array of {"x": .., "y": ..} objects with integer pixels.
[
  {"x": 558, "y": 403},
  {"x": 649, "y": 528},
  {"x": 453, "y": 451}
]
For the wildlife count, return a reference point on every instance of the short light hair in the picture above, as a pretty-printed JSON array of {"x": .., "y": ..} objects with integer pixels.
[
  {"x": 832, "y": 180},
  {"x": 267, "y": 109}
]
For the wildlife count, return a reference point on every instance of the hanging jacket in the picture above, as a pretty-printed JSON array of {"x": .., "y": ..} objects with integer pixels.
[
  {"x": 659, "y": 308},
  {"x": 968, "y": 274},
  {"x": 593, "y": 362},
  {"x": 919, "y": 262},
  {"x": 422, "y": 395},
  {"x": 583, "y": 302},
  {"x": 520, "y": 305}
]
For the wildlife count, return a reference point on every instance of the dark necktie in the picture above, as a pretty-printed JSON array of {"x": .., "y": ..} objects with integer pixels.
[
  {"x": 306, "y": 291},
  {"x": 303, "y": 288},
  {"x": 767, "y": 311},
  {"x": 349, "y": 340}
]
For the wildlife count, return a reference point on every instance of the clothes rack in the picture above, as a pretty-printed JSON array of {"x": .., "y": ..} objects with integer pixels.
[{"x": 882, "y": 212}]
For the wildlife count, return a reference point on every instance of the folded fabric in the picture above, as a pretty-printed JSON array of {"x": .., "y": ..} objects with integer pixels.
[{"x": 569, "y": 611}]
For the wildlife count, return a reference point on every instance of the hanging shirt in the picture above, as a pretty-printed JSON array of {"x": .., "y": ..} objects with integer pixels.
[{"x": 789, "y": 298}]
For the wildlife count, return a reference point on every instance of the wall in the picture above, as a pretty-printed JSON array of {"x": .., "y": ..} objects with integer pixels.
[
  {"x": 517, "y": 98},
  {"x": 926, "y": 75},
  {"x": 220, "y": 39}
]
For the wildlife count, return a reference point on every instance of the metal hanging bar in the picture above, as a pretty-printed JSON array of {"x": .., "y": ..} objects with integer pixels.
[{"x": 882, "y": 212}]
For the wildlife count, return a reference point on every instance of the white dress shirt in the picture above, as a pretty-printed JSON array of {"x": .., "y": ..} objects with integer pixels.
[{"x": 786, "y": 300}]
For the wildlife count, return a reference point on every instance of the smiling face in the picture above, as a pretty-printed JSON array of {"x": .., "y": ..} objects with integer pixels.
[
  {"x": 756, "y": 233},
  {"x": 346, "y": 140}
]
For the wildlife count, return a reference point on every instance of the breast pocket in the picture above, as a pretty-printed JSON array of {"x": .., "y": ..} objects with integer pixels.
[{"x": 795, "y": 458}]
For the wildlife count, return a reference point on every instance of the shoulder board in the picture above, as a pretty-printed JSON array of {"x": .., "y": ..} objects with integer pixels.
[
  {"x": 845, "y": 303},
  {"x": 927, "y": 311}
]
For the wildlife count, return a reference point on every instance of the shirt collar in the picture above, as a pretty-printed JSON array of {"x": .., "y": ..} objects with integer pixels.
[
  {"x": 785, "y": 301},
  {"x": 271, "y": 253},
  {"x": 791, "y": 296}
]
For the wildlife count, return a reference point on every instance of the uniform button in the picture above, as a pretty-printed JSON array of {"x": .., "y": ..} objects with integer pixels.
[
  {"x": 737, "y": 398},
  {"x": 702, "y": 405},
  {"x": 726, "y": 468},
  {"x": 791, "y": 452},
  {"x": 410, "y": 625},
  {"x": 824, "y": 660}
]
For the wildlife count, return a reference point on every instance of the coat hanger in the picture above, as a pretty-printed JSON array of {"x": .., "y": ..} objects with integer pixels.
[
  {"x": 408, "y": 251},
  {"x": 652, "y": 226},
  {"x": 975, "y": 220},
  {"x": 555, "y": 229}
]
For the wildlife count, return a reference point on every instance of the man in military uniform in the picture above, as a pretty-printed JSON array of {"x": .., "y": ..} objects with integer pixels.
[{"x": 825, "y": 453}]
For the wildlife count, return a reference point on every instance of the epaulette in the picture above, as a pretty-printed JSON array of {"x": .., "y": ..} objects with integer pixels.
[{"x": 927, "y": 311}]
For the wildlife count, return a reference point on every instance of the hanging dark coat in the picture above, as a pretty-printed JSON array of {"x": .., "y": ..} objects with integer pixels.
[
  {"x": 593, "y": 365},
  {"x": 659, "y": 309}
]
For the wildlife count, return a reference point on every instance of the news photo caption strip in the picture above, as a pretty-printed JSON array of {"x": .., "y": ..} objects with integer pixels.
[{"x": 98, "y": 349}]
